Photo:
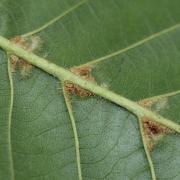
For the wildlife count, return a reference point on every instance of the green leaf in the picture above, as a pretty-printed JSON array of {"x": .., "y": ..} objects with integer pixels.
[
  {"x": 125, "y": 54},
  {"x": 166, "y": 156}
]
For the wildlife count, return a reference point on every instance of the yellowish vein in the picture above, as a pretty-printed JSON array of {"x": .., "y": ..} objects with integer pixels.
[
  {"x": 51, "y": 22},
  {"x": 10, "y": 116},
  {"x": 76, "y": 139},
  {"x": 166, "y": 95},
  {"x": 132, "y": 46},
  {"x": 147, "y": 151}
]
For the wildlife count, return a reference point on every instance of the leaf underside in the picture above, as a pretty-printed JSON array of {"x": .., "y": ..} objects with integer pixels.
[{"x": 37, "y": 139}]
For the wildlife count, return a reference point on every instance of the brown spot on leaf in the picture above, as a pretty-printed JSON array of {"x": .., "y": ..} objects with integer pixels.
[
  {"x": 76, "y": 90},
  {"x": 147, "y": 103},
  {"x": 153, "y": 132},
  {"x": 85, "y": 73},
  {"x": 14, "y": 62},
  {"x": 160, "y": 103},
  {"x": 29, "y": 44},
  {"x": 25, "y": 68}
]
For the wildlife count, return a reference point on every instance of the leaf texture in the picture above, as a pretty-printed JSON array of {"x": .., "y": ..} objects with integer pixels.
[{"x": 128, "y": 47}]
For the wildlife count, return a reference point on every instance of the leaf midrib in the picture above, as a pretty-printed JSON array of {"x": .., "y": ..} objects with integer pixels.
[{"x": 64, "y": 75}]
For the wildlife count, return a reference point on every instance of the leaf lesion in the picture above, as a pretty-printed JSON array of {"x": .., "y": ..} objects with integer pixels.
[
  {"x": 154, "y": 131},
  {"x": 151, "y": 133},
  {"x": 30, "y": 44},
  {"x": 75, "y": 89},
  {"x": 146, "y": 149}
]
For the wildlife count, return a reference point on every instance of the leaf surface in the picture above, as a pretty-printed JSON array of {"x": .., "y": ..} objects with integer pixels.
[{"x": 131, "y": 48}]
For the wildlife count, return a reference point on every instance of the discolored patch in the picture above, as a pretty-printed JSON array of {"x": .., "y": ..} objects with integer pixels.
[
  {"x": 161, "y": 104},
  {"x": 147, "y": 103},
  {"x": 85, "y": 73},
  {"x": 14, "y": 62},
  {"x": 76, "y": 90},
  {"x": 157, "y": 103},
  {"x": 30, "y": 44},
  {"x": 153, "y": 132}
]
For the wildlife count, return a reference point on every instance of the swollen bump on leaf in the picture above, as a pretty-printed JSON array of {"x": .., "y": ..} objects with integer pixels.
[
  {"x": 73, "y": 89},
  {"x": 30, "y": 44}
]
